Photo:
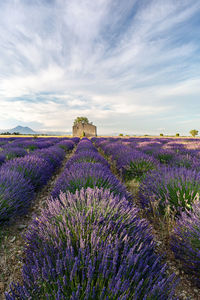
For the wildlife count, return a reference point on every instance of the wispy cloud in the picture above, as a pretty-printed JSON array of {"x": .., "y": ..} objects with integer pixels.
[{"x": 105, "y": 59}]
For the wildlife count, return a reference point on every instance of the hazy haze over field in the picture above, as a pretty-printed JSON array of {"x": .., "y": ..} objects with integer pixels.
[{"x": 129, "y": 66}]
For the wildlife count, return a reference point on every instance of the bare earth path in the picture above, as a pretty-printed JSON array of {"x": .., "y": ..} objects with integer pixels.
[{"x": 12, "y": 243}]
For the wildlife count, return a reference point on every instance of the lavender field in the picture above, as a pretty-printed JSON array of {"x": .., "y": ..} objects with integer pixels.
[{"x": 120, "y": 220}]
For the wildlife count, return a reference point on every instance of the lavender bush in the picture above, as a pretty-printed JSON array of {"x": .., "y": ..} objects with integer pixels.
[
  {"x": 188, "y": 161},
  {"x": 185, "y": 242},
  {"x": 130, "y": 163},
  {"x": 16, "y": 194},
  {"x": 3, "y": 141},
  {"x": 115, "y": 150},
  {"x": 75, "y": 140},
  {"x": 175, "y": 146},
  {"x": 164, "y": 156},
  {"x": 43, "y": 143},
  {"x": 88, "y": 175},
  {"x": 67, "y": 145},
  {"x": 11, "y": 152},
  {"x": 33, "y": 168},
  {"x": 99, "y": 250},
  {"x": 2, "y": 158},
  {"x": 135, "y": 165},
  {"x": 175, "y": 188},
  {"x": 87, "y": 156},
  {"x": 53, "y": 155},
  {"x": 85, "y": 144},
  {"x": 29, "y": 144}
]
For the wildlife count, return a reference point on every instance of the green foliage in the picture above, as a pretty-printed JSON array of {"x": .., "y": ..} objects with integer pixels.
[
  {"x": 195, "y": 242},
  {"x": 180, "y": 195},
  {"x": 81, "y": 120},
  {"x": 5, "y": 133},
  {"x": 164, "y": 158},
  {"x": 185, "y": 162},
  {"x": 89, "y": 182},
  {"x": 138, "y": 169},
  {"x": 121, "y": 134},
  {"x": 31, "y": 148},
  {"x": 161, "y": 134},
  {"x": 149, "y": 151},
  {"x": 194, "y": 132},
  {"x": 177, "y": 134}
]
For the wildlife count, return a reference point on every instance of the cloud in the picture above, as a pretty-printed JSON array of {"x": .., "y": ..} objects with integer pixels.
[
  {"x": 188, "y": 87},
  {"x": 104, "y": 59}
]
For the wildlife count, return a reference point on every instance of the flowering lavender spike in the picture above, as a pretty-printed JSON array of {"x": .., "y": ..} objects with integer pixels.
[{"x": 107, "y": 224}]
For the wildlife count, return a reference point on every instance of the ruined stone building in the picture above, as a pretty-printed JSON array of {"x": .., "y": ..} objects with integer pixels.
[{"x": 83, "y": 129}]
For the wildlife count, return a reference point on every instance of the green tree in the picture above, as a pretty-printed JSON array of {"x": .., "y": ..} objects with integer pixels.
[
  {"x": 121, "y": 134},
  {"x": 6, "y": 133},
  {"x": 161, "y": 134},
  {"x": 177, "y": 134},
  {"x": 194, "y": 132},
  {"x": 81, "y": 120}
]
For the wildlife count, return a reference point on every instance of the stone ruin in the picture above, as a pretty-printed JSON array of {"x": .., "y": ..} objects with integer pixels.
[{"x": 84, "y": 129}]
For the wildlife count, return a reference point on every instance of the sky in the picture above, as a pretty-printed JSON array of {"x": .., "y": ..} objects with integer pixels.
[{"x": 130, "y": 67}]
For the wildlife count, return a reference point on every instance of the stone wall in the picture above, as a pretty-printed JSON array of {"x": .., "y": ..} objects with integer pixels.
[{"x": 88, "y": 129}]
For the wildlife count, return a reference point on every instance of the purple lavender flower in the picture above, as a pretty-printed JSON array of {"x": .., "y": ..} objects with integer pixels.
[
  {"x": 3, "y": 141},
  {"x": 185, "y": 241},
  {"x": 2, "y": 158},
  {"x": 33, "y": 168},
  {"x": 86, "y": 175},
  {"x": 79, "y": 270},
  {"x": 165, "y": 156},
  {"x": 53, "y": 155},
  {"x": 75, "y": 140},
  {"x": 173, "y": 187},
  {"x": 85, "y": 144},
  {"x": 16, "y": 194},
  {"x": 130, "y": 163},
  {"x": 43, "y": 143},
  {"x": 11, "y": 152},
  {"x": 135, "y": 164},
  {"x": 87, "y": 156},
  {"x": 67, "y": 145},
  {"x": 115, "y": 149},
  {"x": 175, "y": 146},
  {"x": 186, "y": 160}
]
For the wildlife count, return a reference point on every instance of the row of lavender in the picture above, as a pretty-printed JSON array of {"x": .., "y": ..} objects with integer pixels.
[
  {"x": 90, "y": 243},
  {"x": 21, "y": 177},
  {"x": 169, "y": 176},
  {"x": 19, "y": 147}
]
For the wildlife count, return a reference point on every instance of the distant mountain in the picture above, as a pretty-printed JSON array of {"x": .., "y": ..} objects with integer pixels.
[
  {"x": 28, "y": 130},
  {"x": 22, "y": 130}
]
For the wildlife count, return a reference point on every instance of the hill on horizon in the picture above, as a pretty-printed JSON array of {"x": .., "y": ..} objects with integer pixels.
[
  {"x": 28, "y": 130},
  {"x": 21, "y": 130}
]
